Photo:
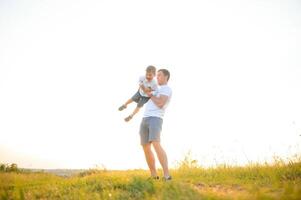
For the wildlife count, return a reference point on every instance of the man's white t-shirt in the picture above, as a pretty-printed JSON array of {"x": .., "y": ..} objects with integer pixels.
[
  {"x": 148, "y": 84},
  {"x": 151, "y": 109}
]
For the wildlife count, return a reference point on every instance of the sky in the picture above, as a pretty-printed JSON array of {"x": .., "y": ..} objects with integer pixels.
[{"x": 66, "y": 66}]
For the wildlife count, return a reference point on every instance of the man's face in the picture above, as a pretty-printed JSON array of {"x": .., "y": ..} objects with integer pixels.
[
  {"x": 161, "y": 78},
  {"x": 149, "y": 76}
]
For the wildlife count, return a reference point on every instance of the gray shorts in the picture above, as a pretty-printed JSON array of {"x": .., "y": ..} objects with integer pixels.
[
  {"x": 150, "y": 129},
  {"x": 139, "y": 99}
]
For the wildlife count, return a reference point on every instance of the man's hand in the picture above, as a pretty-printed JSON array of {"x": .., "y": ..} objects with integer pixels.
[{"x": 149, "y": 93}]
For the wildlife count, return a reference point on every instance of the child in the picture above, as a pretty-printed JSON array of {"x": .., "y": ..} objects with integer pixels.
[{"x": 146, "y": 83}]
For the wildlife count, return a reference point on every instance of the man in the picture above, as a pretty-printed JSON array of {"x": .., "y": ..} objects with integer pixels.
[{"x": 151, "y": 125}]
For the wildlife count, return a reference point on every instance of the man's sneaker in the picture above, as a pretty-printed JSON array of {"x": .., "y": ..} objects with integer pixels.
[
  {"x": 169, "y": 178},
  {"x": 154, "y": 178},
  {"x": 122, "y": 108}
]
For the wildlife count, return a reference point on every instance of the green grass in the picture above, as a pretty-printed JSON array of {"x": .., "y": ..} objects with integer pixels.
[{"x": 190, "y": 181}]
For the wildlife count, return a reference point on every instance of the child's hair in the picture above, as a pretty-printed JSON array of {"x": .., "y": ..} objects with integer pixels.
[{"x": 151, "y": 69}]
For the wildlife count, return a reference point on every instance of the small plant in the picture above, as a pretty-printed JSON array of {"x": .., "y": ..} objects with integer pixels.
[
  {"x": 188, "y": 162},
  {"x": 96, "y": 170}
]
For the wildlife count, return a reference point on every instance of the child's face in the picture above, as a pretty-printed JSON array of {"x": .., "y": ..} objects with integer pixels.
[{"x": 149, "y": 76}]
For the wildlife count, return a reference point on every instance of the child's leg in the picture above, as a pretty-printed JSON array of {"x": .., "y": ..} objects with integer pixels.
[
  {"x": 140, "y": 104},
  {"x": 135, "y": 98},
  {"x": 135, "y": 111},
  {"x": 132, "y": 115},
  {"x": 123, "y": 106},
  {"x": 128, "y": 102}
]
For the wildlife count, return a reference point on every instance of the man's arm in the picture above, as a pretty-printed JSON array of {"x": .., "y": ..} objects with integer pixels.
[{"x": 159, "y": 101}]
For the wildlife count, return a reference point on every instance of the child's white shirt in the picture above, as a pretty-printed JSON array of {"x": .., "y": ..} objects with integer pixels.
[{"x": 147, "y": 84}]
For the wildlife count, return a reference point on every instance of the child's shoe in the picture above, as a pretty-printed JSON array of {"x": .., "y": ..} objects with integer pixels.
[
  {"x": 122, "y": 107},
  {"x": 127, "y": 119}
]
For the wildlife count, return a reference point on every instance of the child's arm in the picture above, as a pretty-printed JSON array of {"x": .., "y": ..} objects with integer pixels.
[
  {"x": 154, "y": 86},
  {"x": 145, "y": 89}
]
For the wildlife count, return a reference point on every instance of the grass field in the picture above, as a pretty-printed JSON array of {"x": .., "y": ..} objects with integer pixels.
[{"x": 255, "y": 181}]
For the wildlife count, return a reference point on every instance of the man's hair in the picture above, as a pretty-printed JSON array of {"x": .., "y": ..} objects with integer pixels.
[
  {"x": 151, "y": 69},
  {"x": 165, "y": 72}
]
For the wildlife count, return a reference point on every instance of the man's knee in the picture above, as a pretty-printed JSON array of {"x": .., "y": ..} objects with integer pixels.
[
  {"x": 146, "y": 147},
  {"x": 156, "y": 144}
]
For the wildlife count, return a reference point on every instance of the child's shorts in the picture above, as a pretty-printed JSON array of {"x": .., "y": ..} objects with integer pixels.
[{"x": 139, "y": 99}]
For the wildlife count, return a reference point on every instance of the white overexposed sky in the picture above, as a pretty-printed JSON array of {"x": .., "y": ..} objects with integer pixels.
[{"x": 66, "y": 66}]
